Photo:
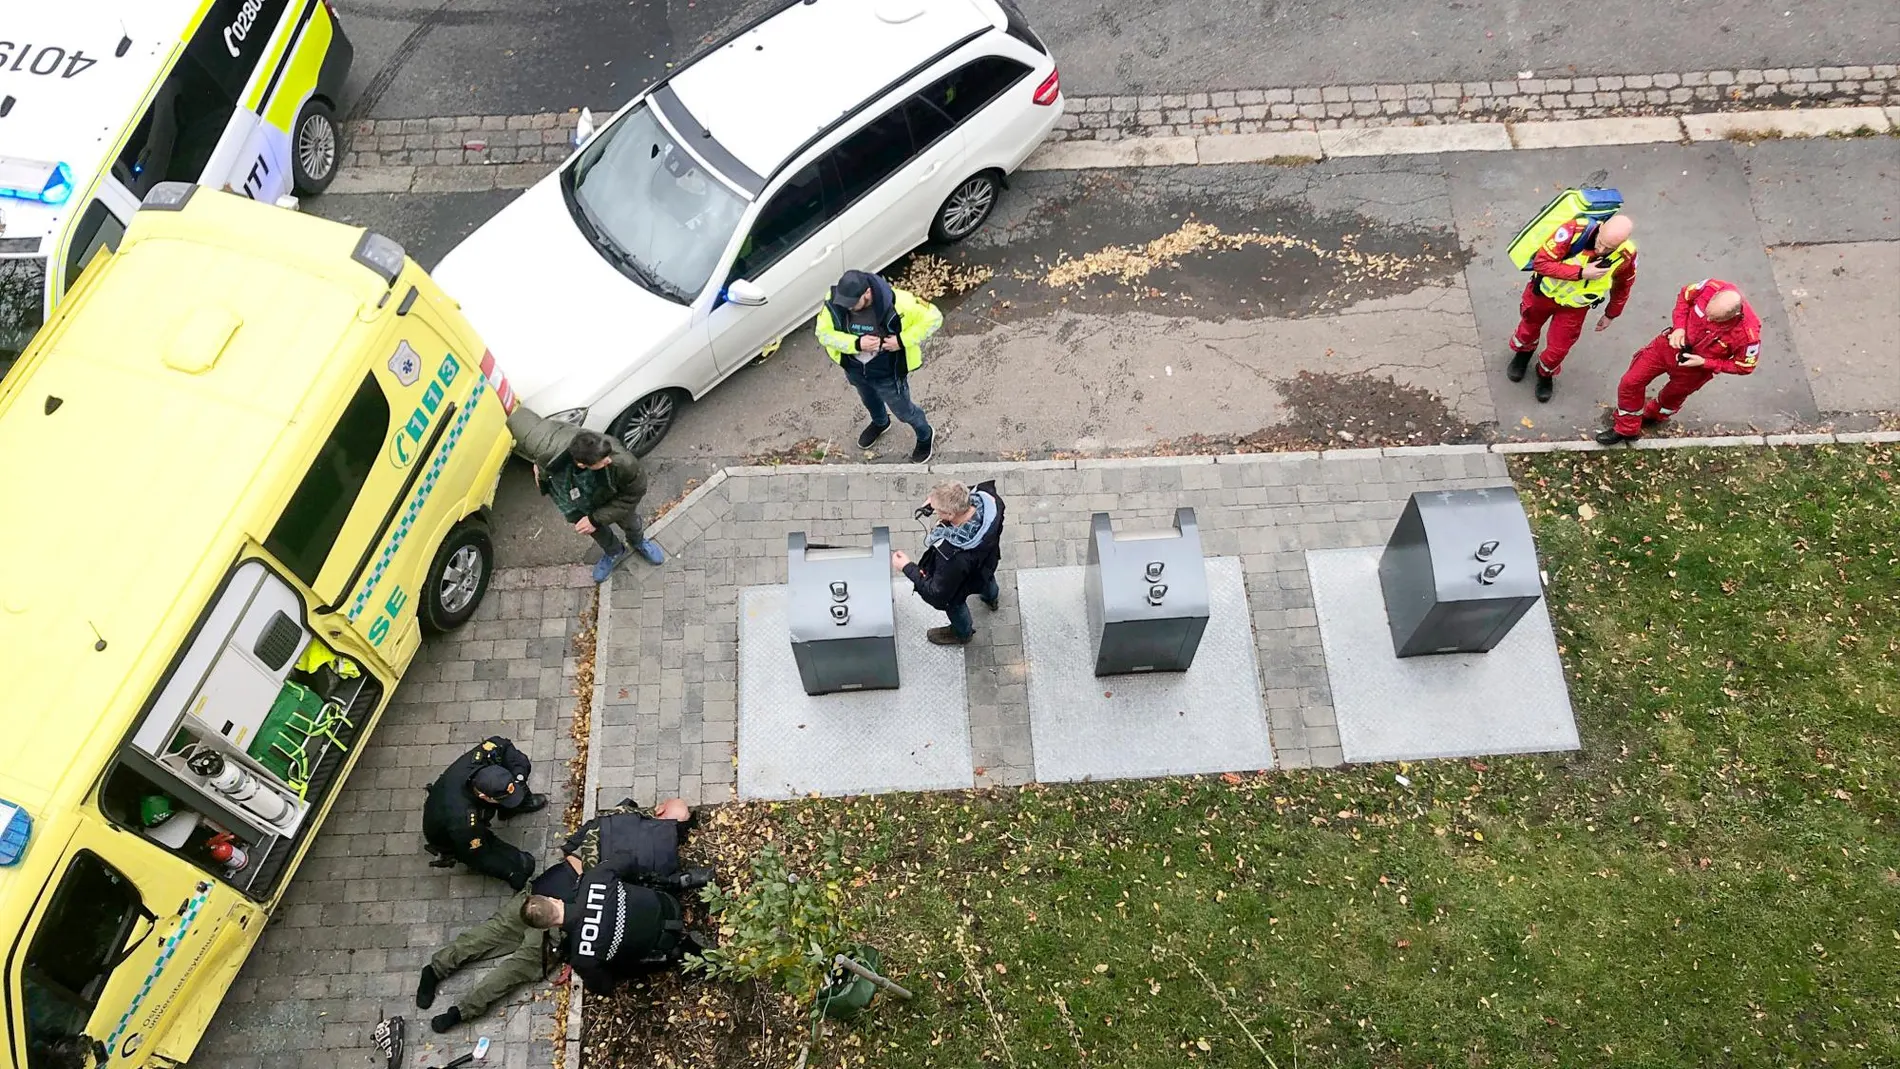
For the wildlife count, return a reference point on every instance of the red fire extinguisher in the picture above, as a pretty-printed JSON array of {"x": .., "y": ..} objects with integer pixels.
[{"x": 227, "y": 851}]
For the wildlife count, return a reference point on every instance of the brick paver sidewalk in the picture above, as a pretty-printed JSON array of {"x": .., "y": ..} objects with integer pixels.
[
  {"x": 669, "y": 638},
  {"x": 366, "y": 911}
]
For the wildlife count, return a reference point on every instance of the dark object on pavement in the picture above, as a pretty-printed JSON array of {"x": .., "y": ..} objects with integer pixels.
[
  {"x": 1459, "y": 571},
  {"x": 1147, "y": 596},
  {"x": 388, "y": 1039}
]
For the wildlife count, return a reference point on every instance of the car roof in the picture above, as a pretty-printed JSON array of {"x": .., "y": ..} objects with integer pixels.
[
  {"x": 187, "y": 461},
  {"x": 78, "y": 120},
  {"x": 767, "y": 91}
]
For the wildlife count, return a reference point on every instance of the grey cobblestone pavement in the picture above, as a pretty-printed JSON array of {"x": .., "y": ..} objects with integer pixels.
[
  {"x": 513, "y": 150},
  {"x": 365, "y": 911},
  {"x": 669, "y": 638}
]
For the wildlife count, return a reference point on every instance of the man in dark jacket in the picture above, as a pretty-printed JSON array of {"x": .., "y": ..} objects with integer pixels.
[
  {"x": 650, "y": 844},
  {"x": 594, "y": 480},
  {"x": 960, "y": 556},
  {"x": 487, "y": 782}
]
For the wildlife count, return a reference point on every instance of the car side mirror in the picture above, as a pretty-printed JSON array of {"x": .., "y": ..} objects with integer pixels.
[
  {"x": 740, "y": 291},
  {"x": 584, "y": 128}
]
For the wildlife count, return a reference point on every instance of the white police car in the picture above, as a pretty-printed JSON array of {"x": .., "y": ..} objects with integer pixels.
[{"x": 100, "y": 100}]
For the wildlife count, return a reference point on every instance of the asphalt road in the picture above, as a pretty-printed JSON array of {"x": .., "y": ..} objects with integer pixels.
[{"x": 459, "y": 57}]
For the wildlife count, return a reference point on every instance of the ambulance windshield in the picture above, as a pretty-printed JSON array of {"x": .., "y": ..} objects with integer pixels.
[{"x": 22, "y": 305}]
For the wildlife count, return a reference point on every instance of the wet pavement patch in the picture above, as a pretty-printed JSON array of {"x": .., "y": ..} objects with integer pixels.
[
  {"x": 1342, "y": 412},
  {"x": 1222, "y": 242}
]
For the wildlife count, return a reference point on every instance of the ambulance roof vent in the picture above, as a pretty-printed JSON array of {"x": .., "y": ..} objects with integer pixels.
[{"x": 199, "y": 341}]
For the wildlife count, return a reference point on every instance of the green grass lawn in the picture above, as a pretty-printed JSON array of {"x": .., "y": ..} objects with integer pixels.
[{"x": 1713, "y": 881}]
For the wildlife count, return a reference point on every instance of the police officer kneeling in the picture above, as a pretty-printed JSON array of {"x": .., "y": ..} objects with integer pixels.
[{"x": 487, "y": 782}]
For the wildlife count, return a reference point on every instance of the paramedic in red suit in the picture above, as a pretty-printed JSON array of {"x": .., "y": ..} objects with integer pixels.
[
  {"x": 1568, "y": 279},
  {"x": 1715, "y": 332}
]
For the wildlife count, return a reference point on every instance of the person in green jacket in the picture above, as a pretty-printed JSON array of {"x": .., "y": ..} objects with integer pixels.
[
  {"x": 876, "y": 334},
  {"x": 594, "y": 480}
]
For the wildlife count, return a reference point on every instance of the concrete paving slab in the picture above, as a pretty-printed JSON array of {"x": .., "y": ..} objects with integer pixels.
[
  {"x": 1128, "y": 152},
  {"x": 1693, "y": 221},
  {"x": 1580, "y": 133},
  {"x": 1804, "y": 192},
  {"x": 1786, "y": 122},
  {"x": 1207, "y": 719},
  {"x": 1259, "y": 148},
  {"x": 1511, "y": 700},
  {"x": 915, "y": 738},
  {"x": 1843, "y": 306},
  {"x": 1416, "y": 140}
]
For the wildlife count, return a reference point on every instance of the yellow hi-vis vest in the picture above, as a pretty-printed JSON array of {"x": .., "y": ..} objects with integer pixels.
[{"x": 1586, "y": 293}]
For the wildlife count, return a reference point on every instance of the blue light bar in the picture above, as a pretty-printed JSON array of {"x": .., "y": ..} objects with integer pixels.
[
  {"x": 15, "y": 829},
  {"x": 35, "y": 180}
]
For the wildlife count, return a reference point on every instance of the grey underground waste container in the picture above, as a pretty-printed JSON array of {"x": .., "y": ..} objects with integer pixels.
[
  {"x": 838, "y": 606},
  {"x": 1147, "y": 596},
  {"x": 1459, "y": 571}
]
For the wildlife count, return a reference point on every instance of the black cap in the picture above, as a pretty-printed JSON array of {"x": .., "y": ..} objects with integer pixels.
[
  {"x": 494, "y": 781},
  {"x": 851, "y": 288}
]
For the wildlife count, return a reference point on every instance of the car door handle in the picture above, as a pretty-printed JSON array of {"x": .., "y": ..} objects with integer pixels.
[
  {"x": 930, "y": 170},
  {"x": 824, "y": 254}
]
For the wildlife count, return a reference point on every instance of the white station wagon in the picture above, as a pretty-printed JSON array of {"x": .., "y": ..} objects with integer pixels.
[{"x": 710, "y": 216}]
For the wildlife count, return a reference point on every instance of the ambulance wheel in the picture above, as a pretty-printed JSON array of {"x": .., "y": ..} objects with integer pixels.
[
  {"x": 316, "y": 148},
  {"x": 966, "y": 208},
  {"x": 458, "y": 578},
  {"x": 647, "y": 420}
]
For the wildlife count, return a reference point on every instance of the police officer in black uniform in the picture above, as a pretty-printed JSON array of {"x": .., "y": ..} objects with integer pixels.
[
  {"x": 487, "y": 782},
  {"x": 623, "y": 918}
]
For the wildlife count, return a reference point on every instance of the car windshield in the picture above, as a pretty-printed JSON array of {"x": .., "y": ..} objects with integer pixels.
[
  {"x": 22, "y": 305},
  {"x": 650, "y": 208}
]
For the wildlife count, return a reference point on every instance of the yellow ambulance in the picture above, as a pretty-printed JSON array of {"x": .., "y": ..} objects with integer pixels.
[
  {"x": 100, "y": 100},
  {"x": 247, "y": 462}
]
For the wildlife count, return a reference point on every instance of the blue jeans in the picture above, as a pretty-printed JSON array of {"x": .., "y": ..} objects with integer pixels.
[
  {"x": 883, "y": 397},
  {"x": 959, "y": 613}
]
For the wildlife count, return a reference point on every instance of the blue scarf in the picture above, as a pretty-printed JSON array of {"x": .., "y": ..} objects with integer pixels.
[{"x": 967, "y": 534}]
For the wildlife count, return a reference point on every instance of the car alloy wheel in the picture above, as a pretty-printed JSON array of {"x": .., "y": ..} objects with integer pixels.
[
  {"x": 316, "y": 147},
  {"x": 458, "y": 577},
  {"x": 461, "y": 578},
  {"x": 968, "y": 205},
  {"x": 646, "y": 421}
]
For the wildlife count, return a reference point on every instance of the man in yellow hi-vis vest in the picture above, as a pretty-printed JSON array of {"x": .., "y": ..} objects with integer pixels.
[
  {"x": 1581, "y": 265},
  {"x": 876, "y": 334}
]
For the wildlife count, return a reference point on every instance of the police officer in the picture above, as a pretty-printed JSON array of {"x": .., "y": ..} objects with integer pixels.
[
  {"x": 623, "y": 918},
  {"x": 649, "y": 843},
  {"x": 1583, "y": 264},
  {"x": 487, "y": 782}
]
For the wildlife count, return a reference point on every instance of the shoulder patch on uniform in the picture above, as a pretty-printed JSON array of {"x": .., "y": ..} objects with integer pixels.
[
  {"x": 475, "y": 843},
  {"x": 1754, "y": 350},
  {"x": 1562, "y": 234}
]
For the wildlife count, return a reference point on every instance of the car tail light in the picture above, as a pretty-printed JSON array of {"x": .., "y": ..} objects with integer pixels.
[
  {"x": 1050, "y": 89},
  {"x": 492, "y": 372}
]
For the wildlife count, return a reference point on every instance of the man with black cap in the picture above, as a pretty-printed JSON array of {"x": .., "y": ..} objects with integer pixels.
[
  {"x": 489, "y": 781},
  {"x": 648, "y": 844},
  {"x": 876, "y": 333}
]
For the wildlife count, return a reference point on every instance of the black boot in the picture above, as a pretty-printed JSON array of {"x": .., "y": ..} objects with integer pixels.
[
  {"x": 1546, "y": 385},
  {"x": 534, "y": 804},
  {"x": 1609, "y": 436},
  {"x": 1520, "y": 363},
  {"x": 870, "y": 434},
  {"x": 425, "y": 988},
  {"x": 446, "y": 1020}
]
